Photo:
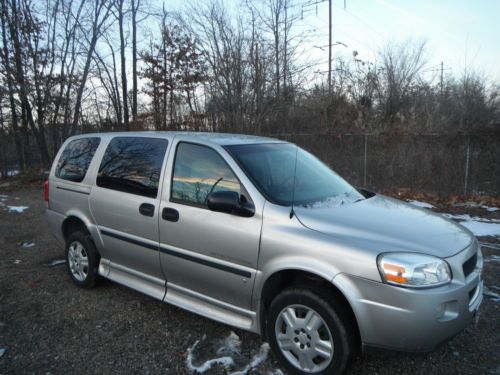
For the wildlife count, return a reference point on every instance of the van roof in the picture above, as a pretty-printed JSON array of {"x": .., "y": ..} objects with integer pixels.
[{"x": 222, "y": 139}]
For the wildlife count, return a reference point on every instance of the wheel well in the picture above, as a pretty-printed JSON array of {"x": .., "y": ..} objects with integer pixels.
[
  {"x": 287, "y": 278},
  {"x": 73, "y": 224}
]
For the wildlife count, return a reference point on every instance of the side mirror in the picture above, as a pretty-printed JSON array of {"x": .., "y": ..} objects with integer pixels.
[{"x": 229, "y": 202}]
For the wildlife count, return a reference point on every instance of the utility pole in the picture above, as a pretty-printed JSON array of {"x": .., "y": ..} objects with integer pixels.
[
  {"x": 442, "y": 68},
  {"x": 330, "y": 35},
  {"x": 285, "y": 57},
  {"x": 329, "y": 46}
]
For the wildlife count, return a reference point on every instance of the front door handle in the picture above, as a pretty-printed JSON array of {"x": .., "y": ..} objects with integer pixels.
[
  {"x": 170, "y": 214},
  {"x": 147, "y": 209}
]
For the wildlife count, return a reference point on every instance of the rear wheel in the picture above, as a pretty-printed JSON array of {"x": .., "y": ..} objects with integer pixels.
[
  {"x": 309, "y": 332},
  {"x": 82, "y": 260}
]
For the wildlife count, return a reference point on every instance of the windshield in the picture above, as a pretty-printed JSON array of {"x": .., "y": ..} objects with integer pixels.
[{"x": 271, "y": 166}]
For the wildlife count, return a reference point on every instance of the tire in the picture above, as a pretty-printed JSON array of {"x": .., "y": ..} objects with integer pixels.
[
  {"x": 300, "y": 341},
  {"x": 82, "y": 260}
]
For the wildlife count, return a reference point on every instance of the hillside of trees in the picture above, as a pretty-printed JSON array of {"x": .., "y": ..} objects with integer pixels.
[{"x": 74, "y": 66}]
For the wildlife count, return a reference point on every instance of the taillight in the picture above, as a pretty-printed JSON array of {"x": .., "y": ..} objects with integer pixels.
[{"x": 46, "y": 191}]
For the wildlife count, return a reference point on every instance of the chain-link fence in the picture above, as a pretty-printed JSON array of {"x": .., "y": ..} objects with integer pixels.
[{"x": 446, "y": 164}]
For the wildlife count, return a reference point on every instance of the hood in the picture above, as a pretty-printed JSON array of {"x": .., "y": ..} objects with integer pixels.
[{"x": 387, "y": 224}]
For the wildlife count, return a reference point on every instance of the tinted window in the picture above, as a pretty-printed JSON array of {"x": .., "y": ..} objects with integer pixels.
[
  {"x": 199, "y": 171},
  {"x": 285, "y": 173},
  {"x": 76, "y": 158},
  {"x": 132, "y": 165}
]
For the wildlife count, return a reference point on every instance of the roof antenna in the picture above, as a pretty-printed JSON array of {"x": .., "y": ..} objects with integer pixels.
[{"x": 292, "y": 212}]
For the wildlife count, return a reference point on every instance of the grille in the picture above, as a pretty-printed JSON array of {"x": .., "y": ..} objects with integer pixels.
[{"x": 469, "y": 265}]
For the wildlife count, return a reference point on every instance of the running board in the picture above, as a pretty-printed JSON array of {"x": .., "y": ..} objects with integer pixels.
[{"x": 181, "y": 297}]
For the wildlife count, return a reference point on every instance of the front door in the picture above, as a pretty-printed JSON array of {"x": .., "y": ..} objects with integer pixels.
[
  {"x": 211, "y": 253},
  {"x": 125, "y": 204}
]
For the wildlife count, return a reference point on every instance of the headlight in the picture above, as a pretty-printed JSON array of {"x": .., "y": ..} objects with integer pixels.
[{"x": 413, "y": 270}]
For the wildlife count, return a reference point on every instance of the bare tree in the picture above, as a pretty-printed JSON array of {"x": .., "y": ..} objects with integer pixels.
[
  {"x": 401, "y": 65},
  {"x": 100, "y": 12},
  {"x": 10, "y": 84}
]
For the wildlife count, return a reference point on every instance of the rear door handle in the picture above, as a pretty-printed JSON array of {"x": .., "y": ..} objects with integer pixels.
[
  {"x": 170, "y": 214},
  {"x": 147, "y": 209}
]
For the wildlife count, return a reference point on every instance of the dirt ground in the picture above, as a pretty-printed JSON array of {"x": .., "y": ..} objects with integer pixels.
[{"x": 49, "y": 326}]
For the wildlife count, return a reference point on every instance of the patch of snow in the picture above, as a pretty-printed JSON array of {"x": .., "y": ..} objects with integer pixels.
[
  {"x": 261, "y": 356},
  {"x": 2, "y": 351},
  {"x": 26, "y": 244},
  {"x": 17, "y": 261},
  {"x": 3, "y": 197},
  {"x": 488, "y": 245},
  {"x": 493, "y": 258},
  {"x": 257, "y": 359},
  {"x": 477, "y": 205},
  {"x": 229, "y": 356},
  {"x": 225, "y": 361},
  {"x": 231, "y": 345},
  {"x": 490, "y": 209},
  {"x": 275, "y": 372},
  {"x": 56, "y": 262},
  {"x": 336, "y": 201},
  {"x": 457, "y": 217},
  {"x": 18, "y": 209},
  {"x": 420, "y": 204},
  {"x": 12, "y": 173},
  {"x": 467, "y": 217},
  {"x": 477, "y": 225},
  {"x": 482, "y": 229},
  {"x": 493, "y": 296}
]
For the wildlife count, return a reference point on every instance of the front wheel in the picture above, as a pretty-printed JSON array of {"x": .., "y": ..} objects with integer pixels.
[{"x": 309, "y": 333}]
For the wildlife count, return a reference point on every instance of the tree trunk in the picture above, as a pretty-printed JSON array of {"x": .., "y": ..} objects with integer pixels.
[
  {"x": 123, "y": 65},
  {"x": 135, "y": 8}
]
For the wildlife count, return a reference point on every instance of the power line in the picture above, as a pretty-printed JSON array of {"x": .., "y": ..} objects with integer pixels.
[
  {"x": 361, "y": 20},
  {"x": 330, "y": 27}
]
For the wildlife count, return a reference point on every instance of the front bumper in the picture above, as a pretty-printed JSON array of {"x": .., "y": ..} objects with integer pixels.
[{"x": 415, "y": 319}]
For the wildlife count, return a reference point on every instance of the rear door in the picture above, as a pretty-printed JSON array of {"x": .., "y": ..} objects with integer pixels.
[
  {"x": 125, "y": 205},
  {"x": 213, "y": 254}
]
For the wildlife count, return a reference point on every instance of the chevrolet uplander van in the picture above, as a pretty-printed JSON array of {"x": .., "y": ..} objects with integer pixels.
[{"x": 259, "y": 234}]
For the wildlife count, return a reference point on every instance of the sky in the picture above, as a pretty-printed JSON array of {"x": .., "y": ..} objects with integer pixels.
[{"x": 459, "y": 33}]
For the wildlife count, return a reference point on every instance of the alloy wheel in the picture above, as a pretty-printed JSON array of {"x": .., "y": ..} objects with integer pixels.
[
  {"x": 78, "y": 261},
  {"x": 304, "y": 338}
]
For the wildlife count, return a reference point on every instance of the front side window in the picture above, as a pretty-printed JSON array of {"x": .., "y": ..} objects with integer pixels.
[
  {"x": 76, "y": 158},
  {"x": 199, "y": 171},
  {"x": 133, "y": 165}
]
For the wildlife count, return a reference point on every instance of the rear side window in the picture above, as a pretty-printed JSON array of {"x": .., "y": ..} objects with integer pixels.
[
  {"x": 198, "y": 171},
  {"x": 76, "y": 158},
  {"x": 133, "y": 165}
]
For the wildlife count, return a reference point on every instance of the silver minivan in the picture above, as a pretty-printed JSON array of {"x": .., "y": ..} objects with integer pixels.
[{"x": 259, "y": 234}]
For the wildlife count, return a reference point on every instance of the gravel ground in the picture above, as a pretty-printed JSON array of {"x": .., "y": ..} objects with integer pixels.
[{"x": 48, "y": 325}]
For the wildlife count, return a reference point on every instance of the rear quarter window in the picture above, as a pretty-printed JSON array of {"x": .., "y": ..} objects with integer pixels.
[{"x": 75, "y": 159}]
